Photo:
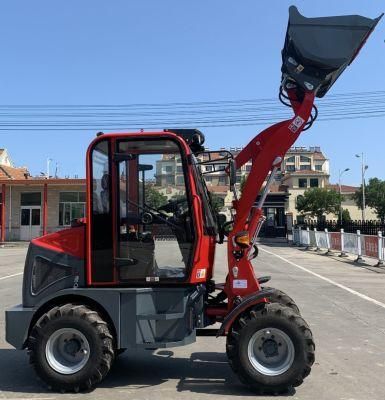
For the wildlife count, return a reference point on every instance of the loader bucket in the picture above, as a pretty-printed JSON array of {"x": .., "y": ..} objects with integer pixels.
[{"x": 317, "y": 50}]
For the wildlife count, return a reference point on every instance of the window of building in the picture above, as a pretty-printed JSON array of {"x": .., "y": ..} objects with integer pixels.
[
  {"x": 314, "y": 182},
  {"x": 290, "y": 168},
  {"x": 30, "y": 199},
  {"x": 302, "y": 182},
  {"x": 209, "y": 168},
  {"x": 208, "y": 178},
  {"x": 239, "y": 179},
  {"x": 304, "y": 159},
  {"x": 72, "y": 205},
  {"x": 248, "y": 167},
  {"x": 179, "y": 169},
  {"x": 180, "y": 180},
  {"x": 170, "y": 180},
  {"x": 318, "y": 167},
  {"x": 222, "y": 180},
  {"x": 290, "y": 159},
  {"x": 305, "y": 167},
  {"x": 168, "y": 168},
  {"x": 220, "y": 167}
]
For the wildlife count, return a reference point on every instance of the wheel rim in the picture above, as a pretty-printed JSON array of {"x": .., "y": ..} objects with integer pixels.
[
  {"x": 67, "y": 351},
  {"x": 271, "y": 351}
]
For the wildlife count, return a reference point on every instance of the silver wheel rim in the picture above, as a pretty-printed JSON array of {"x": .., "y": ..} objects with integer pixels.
[
  {"x": 67, "y": 351},
  {"x": 271, "y": 351}
]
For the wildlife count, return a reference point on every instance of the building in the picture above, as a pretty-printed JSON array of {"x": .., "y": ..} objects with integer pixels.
[
  {"x": 303, "y": 168},
  {"x": 350, "y": 205},
  {"x": 30, "y": 206}
]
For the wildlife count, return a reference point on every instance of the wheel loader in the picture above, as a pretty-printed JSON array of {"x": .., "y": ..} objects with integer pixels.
[{"x": 137, "y": 271}]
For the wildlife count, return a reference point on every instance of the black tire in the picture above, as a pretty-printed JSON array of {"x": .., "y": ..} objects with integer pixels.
[
  {"x": 99, "y": 340},
  {"x": 282, "y": 298},
  {"x": 281, "y": 318}
]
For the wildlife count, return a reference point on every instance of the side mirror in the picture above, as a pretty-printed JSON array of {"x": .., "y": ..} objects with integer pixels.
[{"x": 232, "y": 172}]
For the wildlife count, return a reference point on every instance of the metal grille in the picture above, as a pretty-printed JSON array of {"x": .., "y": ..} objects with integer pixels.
[{"x": 45, "y": 272}]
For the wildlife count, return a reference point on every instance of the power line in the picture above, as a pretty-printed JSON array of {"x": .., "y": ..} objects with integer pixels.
[{"x": 244, "y": 112}]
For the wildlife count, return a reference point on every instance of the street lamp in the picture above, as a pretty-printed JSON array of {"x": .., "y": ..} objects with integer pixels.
[
  {"x": 363, "y": 169},
  {"x": 339, "y": 185}
]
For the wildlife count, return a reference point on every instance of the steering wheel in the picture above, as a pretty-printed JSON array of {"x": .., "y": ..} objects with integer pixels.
[
  {"x": 171, "y": 205},
  {"x": 146, "y": 218}
]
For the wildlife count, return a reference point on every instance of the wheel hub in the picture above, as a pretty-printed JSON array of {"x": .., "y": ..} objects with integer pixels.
[
  {"x": 67, "y": 351},
  {"x": 270, "y": 348},
  {"x": 271, "y": 351}
]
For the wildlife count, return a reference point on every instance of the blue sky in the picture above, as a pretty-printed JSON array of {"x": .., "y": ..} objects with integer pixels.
[{"x": 122, "y": 52}]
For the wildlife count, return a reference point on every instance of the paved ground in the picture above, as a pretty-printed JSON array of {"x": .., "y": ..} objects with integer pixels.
[{"x": 344, "y": 304}]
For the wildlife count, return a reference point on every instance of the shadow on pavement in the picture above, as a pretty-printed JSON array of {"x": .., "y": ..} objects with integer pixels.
[{"x": 202, "y": 372}]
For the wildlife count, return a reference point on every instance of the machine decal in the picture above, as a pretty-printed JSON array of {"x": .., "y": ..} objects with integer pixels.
[
  {"x": 296, "y": 124},
  {"x": 240, "y": 283},
  {"x": 201, "y": 273}
]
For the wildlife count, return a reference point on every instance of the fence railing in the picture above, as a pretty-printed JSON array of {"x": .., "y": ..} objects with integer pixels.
[
  {"x": 365, "y": 227},
  {"x": 343, "y": 242}
]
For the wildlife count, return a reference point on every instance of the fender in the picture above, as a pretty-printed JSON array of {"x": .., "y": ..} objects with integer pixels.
[{"x": 246, "y": 303}]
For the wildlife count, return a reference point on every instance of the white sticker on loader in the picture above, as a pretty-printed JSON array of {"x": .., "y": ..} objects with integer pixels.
[
  {"x": 240, "y": 283},
  {"x": 296, "y": 124},
  {"x": 201, "y": 273}
]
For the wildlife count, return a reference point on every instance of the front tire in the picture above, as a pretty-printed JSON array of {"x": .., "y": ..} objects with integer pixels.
[
  {"x": 278, "y": 296},
  {"x": 71, "y": 348},
  {"x": 271, "y": 349}
]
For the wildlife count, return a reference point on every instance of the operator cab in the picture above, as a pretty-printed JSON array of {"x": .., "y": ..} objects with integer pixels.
[{"x": 142, "y": 228}]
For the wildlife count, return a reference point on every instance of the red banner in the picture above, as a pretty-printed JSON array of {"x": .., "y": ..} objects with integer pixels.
[
  {"x": 371, "y": 246},
  {"x": 335, "y": 240}
]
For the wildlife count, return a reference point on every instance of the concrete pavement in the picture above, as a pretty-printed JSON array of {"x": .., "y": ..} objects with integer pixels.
[{"x": 343, "y": 304}]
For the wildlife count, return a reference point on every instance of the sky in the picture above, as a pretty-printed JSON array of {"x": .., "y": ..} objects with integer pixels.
[{"x": 140, "y": 51}]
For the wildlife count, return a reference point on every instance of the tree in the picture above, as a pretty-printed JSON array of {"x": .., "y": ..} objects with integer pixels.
[
  {"x": 153, "y": 198},
  {"x": 243, "y": 183},
  {"x": 346, "y": 215},
  {"x": 374, "y": 197},
  {"x": 216, "y": 202},
  {"x": 317, "y": 202}
]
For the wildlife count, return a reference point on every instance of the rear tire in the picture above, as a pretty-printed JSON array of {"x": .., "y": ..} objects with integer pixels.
[
  {"x": 282, "y": 298},
  {"x": 271, "y": 349},
  {"x": 71, "y": 348}
]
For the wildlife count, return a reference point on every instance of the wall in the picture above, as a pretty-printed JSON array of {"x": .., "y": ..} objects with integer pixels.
[{"x": 13, "y": 206}]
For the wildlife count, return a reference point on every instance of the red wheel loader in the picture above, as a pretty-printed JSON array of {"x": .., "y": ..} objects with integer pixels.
[{"x": 137, "y": 272}]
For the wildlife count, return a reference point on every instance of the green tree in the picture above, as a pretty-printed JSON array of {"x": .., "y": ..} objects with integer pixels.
[
  {"x": 374, "y": 197},
  {"x": 243, "y": 183},
  {"x": 217, "y": 202},
  {"x": 346, "y": 215},
  {"x": 317, "y": 202},
  {"x": 153, "y": 198}
]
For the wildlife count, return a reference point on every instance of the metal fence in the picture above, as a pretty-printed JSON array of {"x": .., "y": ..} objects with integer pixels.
[
  {"x": 365, "y": 227},
  {"x": 343, "y": 242}
]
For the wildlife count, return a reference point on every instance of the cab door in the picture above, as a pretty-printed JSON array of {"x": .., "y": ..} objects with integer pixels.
[
  {"x": 154, "y": 238},
  {"x": 141, "y": 227}
]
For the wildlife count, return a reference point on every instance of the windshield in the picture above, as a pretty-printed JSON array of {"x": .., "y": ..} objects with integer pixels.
[{"x": 210, "y": 220}]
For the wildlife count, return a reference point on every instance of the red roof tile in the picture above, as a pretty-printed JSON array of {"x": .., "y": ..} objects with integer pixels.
[
  {"x": 11, "y": 173},
  {"x": 344, "y": 188}
]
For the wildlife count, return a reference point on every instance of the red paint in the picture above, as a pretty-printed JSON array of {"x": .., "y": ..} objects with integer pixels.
[
  {"x": 70, "y": 241},
  {"x": 45, "y": 209},
  {"x": 370, "y": 246},
  {"x": 335, "y": 241},
  {"x": 262, "y": 150},
  {"x": 3, "y": 191}
]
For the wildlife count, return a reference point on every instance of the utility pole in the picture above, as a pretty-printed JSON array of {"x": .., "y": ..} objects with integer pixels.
[
  {"x": 339, "y": 185},
  {"x": 363, "y": 169}
]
